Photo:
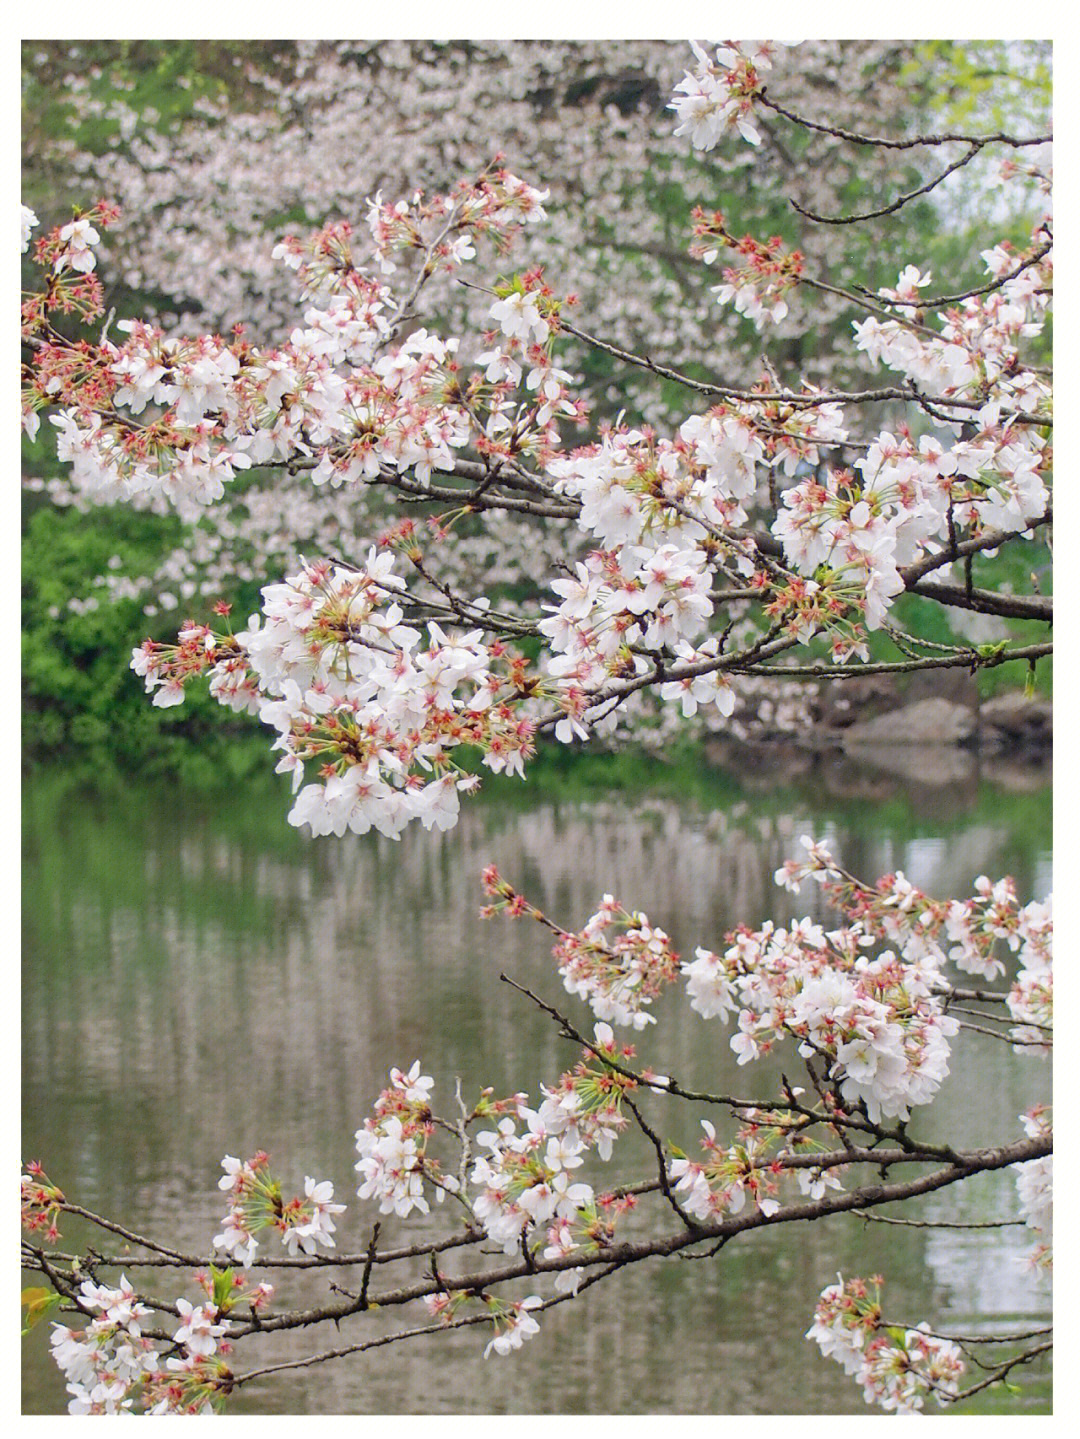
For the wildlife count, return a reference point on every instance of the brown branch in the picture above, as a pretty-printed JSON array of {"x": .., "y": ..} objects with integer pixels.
[
  {"x": 969, "y": 659},
  {"x": 964, "y": 1165},
  {"x": 984, "y": 996},
  {"x": 938, "y": 302},
  {"x": 899, "y": 202},
  {"x": 165, "y": 1260},
  {"x": 939, "y": 1223},
  {"x": 1016, "y": 607},
  {"x": 1001, "y": 1371},
  {"x": 463, "y": 1323},
  {"x": 128, "y": 1234},
  {"x": 989, "y": 540},
  {"x": 1007, "y": 1038},
  {"x": 998, "y": 138},
  {"x": 987, "y": 1338},
  {"x": 790, "y": 397},
  {"x": 368, "y": 1263},
  {"x": 661, "y": 1162}
]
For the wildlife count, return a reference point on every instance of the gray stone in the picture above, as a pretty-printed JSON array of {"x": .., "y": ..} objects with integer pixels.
[
  {"x": 1018, "y": 717},
  {"x": 926, "y": 722}
]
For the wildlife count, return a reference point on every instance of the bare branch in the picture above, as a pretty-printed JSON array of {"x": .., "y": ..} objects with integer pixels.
[
  {"x": 900, "y": 201},
  {"x": 914, "y": 142},
  {"x": 1001, "y": 1371}
]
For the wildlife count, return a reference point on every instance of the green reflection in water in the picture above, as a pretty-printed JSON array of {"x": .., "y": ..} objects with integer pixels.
[{"x": 202, "y": 979}]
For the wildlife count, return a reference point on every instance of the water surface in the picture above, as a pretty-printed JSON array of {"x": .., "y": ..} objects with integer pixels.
[{"x": 201, "y": 979}]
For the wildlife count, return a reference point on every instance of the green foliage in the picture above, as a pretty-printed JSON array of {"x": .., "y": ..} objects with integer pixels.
[
  {"x": 987, "y": 84},
  {"x": 39, "y": 1303},
  {"x": 160, "y": 81},
  {"x": 78, "y": 691},
  {"x": 223, "y": 1288}
]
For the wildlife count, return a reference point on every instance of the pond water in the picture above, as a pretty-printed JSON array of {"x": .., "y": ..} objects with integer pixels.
[{"x": 200, "y": 979}]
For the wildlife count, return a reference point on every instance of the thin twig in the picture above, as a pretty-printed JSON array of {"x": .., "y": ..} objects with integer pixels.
[
  {"x": 366, "y": 1276},
  {"x": 661, "y": 1163},
  {"x": 899, "y": 202},
  {"x": 1001, "y": 1371},
  {"x": 914, "y": 142},
  {"x": 939, "y": 1223}
]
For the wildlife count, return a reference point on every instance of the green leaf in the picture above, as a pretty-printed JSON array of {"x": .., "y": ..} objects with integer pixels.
[
  {"x": 39, "y": 1303},
  {"x": 222, "y": 1288}
]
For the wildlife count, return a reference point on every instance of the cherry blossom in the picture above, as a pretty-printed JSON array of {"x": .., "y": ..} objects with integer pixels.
[
  {"x": 198, "y": 1332},
  {"x": 663, "y": 571},
  {"x": 898, "y": 1369}
]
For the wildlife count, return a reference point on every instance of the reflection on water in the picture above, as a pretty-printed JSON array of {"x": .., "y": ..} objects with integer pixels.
[{"x": 200, "y": 979}]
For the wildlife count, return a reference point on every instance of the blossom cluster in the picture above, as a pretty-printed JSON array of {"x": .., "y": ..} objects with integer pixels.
[
  {"x": 723, "y": 1182},
  {"x": 877, "y": 1017},
  {"x": 70, "y": 287},
  {"x": 652, "y": 505},
  {"x": 41, "y": 1201},
  {"x": 217, "y": 407},
  {"x": 522, "y": 348},
  {"x": 970, "y": 933},
  {"x": 877, "y": 1022},
  {"x": 1035, "y": 1188},
  {"x": 855, "y": 535},
  {"x": 29, "y": 223},
  {"x": 976, "y": 350},
  {"x": 513, "y": 1323},
  {"x": 641, "y": 609},
  {"x": 111, "y": 1365},
  {"x": 525, "y": 1179},
  {"x": 256, "y": 1203},
  {"x": 496, "y": 204},
  {"x": 718, "y": 95},
  {"x": 855, "y": 529},
  {"x": 392, "y": 1147},
  {"x": 664, "y": 511},
  {"x": 618, "y": 964},
  {"x": 752, "y": 1168},
  {"x": 898, "y": 1368},
  {"x": 758, "y": 285},
  {"x": 1031, "y": 997},
  {"x": 521, "y": 1180},
  {"x": 880, "y": 1022},
  {"x": 105, "y": 1361},
  {"x": 331, "y": 665},
  {"x": 191, "y": 1384}
]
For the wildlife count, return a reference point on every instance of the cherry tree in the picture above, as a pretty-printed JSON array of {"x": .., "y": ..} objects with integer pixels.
[
  {"x": 770, "y": 536},
  {"x": 302, "y": 130}
]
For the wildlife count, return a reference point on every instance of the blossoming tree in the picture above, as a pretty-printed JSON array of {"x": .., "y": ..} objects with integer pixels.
[
  {"x": 771, "y": 537},
  {"x": 276, "y": 134}
]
